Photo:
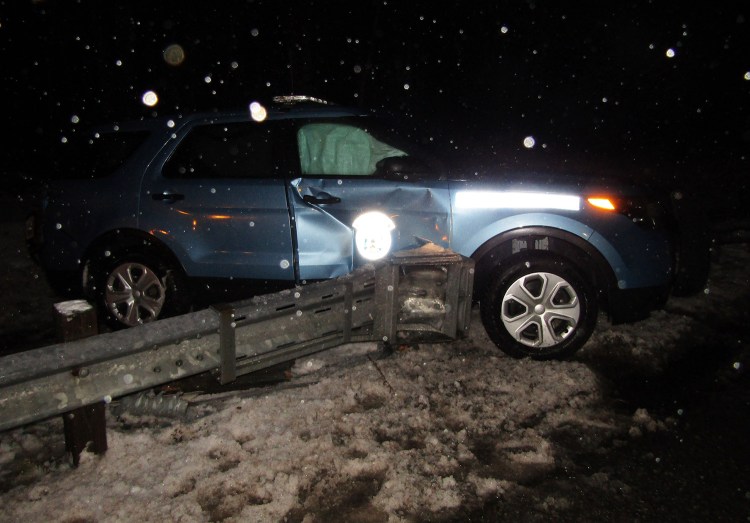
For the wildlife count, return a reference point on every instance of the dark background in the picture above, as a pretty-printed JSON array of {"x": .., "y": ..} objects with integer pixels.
[{"x": 590, "y": 81}]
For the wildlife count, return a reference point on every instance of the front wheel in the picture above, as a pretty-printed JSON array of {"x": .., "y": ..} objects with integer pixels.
[{"x": 539, "y": 307}]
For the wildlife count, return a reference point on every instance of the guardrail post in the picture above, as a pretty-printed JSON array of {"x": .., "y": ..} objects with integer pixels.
[
  {"x": 386, "y": 303},
  {"x": 227, "y": 343},
  {"x": 84, "y": 426}
]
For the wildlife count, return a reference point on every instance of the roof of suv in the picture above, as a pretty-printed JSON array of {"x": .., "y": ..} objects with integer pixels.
[{"x": 280, "y": 108}]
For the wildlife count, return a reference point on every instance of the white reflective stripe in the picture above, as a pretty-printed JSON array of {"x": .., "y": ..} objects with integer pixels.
[{"x": 516, "y": 200}]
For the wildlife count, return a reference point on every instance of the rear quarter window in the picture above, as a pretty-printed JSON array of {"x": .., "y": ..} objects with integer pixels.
[{"x": 94, "y": 155}]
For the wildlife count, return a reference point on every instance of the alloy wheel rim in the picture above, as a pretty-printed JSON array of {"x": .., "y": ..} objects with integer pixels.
[
  {"x": 134, "y": 294},
  {"x": 540, "y": 310}
]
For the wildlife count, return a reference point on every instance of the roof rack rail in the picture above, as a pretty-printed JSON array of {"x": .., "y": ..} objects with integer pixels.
[{"x": 296, "y": 98}]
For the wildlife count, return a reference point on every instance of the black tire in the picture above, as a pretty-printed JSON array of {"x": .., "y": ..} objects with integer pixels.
[
  {"x": 133, "y": 287},
  {"x": 538, "y": 306}
]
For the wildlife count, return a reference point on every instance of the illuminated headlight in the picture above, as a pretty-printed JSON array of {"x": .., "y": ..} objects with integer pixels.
[{"x": 373, "y": 235}]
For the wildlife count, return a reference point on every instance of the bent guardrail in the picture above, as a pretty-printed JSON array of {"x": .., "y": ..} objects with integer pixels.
[{"x": 425, "y": 293}]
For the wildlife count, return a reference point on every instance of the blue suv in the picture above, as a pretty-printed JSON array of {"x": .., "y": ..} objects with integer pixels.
[{"x": 142, "y": 216}]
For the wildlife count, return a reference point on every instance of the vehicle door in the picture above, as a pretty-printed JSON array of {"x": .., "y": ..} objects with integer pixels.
[
  {"x": 217, "y": 200},
  {"x": 342, "y": 177}
]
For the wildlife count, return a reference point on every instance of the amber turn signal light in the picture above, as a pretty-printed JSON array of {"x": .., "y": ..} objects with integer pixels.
[{"x": 602, "y": 203}]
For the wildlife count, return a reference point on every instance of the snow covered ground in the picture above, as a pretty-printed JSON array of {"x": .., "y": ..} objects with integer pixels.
[
  {"x": 422, "y": 433},
  {"x": 430, "y": 433}
]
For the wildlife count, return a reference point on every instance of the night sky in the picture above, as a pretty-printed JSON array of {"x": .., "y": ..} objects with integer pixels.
[{"x": 651, "y": 87}]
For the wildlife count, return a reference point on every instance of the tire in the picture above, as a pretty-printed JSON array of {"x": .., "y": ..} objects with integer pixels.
[
  {"x": 131, "y": 288},
  {"x": 539, "y": 307}
]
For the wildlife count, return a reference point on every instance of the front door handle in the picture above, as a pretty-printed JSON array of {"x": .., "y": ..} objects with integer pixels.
[
  {"x": 321, "y": 199},
  {"x": 168, "y": 197}
]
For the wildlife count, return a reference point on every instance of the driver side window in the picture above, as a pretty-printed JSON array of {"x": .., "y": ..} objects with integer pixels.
[{"x": 340, "y": 149}]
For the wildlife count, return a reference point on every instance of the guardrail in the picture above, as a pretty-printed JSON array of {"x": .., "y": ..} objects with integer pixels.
[{"x": 425, "y": 293}]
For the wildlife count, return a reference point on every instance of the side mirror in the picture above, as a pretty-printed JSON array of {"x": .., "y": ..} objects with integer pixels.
[{"x": 402, "y": 168}]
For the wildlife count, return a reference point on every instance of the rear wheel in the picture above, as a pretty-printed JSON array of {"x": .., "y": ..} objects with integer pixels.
[
  {"x": 133, "y": 288},
  {"x": 539, "y": 307}
]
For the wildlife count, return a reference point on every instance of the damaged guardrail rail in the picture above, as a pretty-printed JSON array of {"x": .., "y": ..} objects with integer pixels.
[{"x": 424, "y": 293}]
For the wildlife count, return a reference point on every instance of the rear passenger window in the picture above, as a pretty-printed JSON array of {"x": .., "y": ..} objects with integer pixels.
[{"x": 228, "y": 150}]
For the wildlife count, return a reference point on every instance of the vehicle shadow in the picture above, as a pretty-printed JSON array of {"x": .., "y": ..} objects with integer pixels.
[{"x": 685, "y": 372}]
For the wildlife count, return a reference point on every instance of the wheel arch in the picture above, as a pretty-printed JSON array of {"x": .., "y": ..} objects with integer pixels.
[
  {"x": 127, "y": 238},
  {"x": 497, "y": 250}
]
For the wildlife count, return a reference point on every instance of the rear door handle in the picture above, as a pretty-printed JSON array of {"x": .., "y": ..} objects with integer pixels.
[
  {"x": 322, "y": 198},
  {"x": 168, "y": 197}
]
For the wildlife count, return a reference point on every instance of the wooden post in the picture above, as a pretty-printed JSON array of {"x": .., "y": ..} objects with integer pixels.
[
  {"x": 76, "y": 319},
  {"x": 85, "y": 426}
]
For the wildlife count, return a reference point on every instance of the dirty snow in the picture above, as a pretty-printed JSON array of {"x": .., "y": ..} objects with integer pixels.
[{"x": 427, "y": 430}]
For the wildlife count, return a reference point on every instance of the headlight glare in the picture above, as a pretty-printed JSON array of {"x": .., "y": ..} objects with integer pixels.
[{"x": 372, "y": 235}]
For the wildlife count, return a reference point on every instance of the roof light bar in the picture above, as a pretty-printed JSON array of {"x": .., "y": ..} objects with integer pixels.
[{"x": 298, "y": 98}]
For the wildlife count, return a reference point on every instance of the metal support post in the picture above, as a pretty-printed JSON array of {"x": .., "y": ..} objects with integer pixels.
[
  {"x": 227, "y": 343},
  {"x": 85, "y": 427}
]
